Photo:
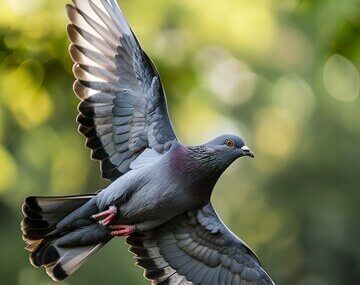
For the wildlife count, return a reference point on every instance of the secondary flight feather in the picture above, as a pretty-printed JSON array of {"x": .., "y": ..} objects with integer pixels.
[{"x": 159, "y": 196}]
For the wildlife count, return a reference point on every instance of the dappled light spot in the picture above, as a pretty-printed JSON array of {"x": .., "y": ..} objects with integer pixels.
[
  {"x": 251, "y": 15},
  {"x": 341, "y": 78},
  {"x": 293, "y": 95},
  {"x": 276, "y": 133},
  {"x": 23, "y": 7},
  {"x": 8, "y": 169},
  {"x": 172, "y": 44},
  {"x": 291, "y": 50},
  {"x": 29, "y": 103},
  {"x": 232, "y": 81},
  {"x": 205, "y": 122},
  {"x": 234, "y": 23},
  {"x": 145, "y": 24},
  {"x": 69, "y": 166},
  {"x": 40, "y": 145}
]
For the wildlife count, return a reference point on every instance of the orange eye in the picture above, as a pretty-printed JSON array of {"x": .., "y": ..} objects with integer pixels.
[{"x": 229, "y": 143}]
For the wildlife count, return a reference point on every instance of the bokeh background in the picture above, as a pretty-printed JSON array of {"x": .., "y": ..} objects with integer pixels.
[{"x": 284, "y": 74}]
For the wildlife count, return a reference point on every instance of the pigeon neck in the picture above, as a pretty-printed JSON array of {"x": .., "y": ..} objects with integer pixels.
[{"x": 196, "y": 163}]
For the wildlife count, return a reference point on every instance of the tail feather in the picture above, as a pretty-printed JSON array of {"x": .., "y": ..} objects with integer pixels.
[
  {"x": 55, "y": 205},
  {"x": 71, "y": 260},
  {"x": 62, "y": 262},
  {"x": 60, "y": 253},
  {"x": 43, "y": 213}
]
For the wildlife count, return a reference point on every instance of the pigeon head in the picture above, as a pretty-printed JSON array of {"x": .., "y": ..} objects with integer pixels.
[{"x": 228, "y": 148}]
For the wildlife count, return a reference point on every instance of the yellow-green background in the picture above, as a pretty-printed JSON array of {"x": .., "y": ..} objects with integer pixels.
[{"x": 284, "y": 74}]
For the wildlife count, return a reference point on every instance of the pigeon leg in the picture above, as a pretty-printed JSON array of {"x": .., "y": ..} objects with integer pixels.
[
  {"x": 108, "y": 216},
  {"x": 121, "y": 230}
]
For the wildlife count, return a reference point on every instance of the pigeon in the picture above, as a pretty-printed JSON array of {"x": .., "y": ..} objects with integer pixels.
[{"x": 160, "y": 190}]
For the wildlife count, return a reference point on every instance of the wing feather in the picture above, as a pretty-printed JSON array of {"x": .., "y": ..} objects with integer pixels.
[
  {"x": 123, "y": 109},
  {"x": 199, "y": 249}
]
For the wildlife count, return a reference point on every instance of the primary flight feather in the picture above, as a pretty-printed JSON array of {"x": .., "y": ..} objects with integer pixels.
[{"x": 160, "y": 193}]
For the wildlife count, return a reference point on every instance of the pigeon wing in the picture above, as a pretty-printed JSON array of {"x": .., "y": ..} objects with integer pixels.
[
  {"x": 123, "y": 107},
  {"x": 197, "y": 248}
]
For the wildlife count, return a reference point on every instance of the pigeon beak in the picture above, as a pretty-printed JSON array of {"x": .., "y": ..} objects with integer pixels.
[{"x": 247, "y": 152}]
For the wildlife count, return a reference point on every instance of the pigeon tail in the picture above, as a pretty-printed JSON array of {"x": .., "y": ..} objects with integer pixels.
[{"x": 61, "y": 253}]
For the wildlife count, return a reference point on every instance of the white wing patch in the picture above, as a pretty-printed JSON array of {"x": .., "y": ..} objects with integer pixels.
[{"x": 147, "y": 157}]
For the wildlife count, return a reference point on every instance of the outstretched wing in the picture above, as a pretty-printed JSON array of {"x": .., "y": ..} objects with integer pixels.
[
  {"x": 197, "y": 248},
  {"x": 123, "y": 107}
]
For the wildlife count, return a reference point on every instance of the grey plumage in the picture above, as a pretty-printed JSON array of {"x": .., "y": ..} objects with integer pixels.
[
  {"x": 200, "y": 249},
  {"x": 61, "y": 253},
  {"x": 160, "y": 191},
  {"x": 110, "y": 64}
]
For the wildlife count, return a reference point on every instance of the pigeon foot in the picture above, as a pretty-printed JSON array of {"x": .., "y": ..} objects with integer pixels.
[
  {"x": 108, "y": 216},
  {"x": 121, "y": 230}
]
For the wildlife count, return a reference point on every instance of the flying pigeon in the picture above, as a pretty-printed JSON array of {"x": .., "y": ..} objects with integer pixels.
[{"x": 159, "y": 196}]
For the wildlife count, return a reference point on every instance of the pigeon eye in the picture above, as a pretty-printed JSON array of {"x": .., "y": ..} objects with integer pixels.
[{"x": 229, "y": 143}]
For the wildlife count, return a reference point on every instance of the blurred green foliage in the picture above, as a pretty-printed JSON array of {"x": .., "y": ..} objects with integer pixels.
[{"x": 285, "y": 74}]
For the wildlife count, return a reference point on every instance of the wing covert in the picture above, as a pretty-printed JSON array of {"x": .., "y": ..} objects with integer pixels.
[
  {"x": 123, "y": 107},
  {"x": 197, "y": 248}
]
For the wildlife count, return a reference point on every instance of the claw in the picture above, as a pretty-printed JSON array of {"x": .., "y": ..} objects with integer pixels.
[
  {"x": 121, "y": 230},
  {"x": 108, "y": 216},
  {"x": 107, "y": 220}
]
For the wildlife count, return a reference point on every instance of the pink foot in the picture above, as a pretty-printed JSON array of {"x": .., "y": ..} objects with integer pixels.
[
  {"x": 121, "y": 230},
  {"x": 108, "y": 216}
]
